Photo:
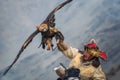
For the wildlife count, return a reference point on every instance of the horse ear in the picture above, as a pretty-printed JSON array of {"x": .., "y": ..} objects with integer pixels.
[{"x": 93, "y": 41}]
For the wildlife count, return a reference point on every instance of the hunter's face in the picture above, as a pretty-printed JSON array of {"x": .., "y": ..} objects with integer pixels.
[
  {"x": 42, "y": 27},
  {"x": 91, "y": 53},
  {"x": 87, "y": 56}
]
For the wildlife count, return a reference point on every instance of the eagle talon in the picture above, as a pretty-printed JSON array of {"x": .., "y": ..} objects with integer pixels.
[
  {"x": 44, "y": 29},
  {"x": 59, "y": 36}
]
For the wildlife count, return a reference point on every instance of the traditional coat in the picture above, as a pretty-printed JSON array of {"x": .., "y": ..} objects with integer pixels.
[{"x": 87, "y": 70}]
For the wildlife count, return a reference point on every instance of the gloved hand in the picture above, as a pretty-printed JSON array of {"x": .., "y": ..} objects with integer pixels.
[
  {"x": 59, "y": 36},
  {"x": 47, "y": 37}
]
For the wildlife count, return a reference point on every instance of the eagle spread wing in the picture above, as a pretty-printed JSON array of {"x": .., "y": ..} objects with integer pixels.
[{"x": 50, "y": 20}]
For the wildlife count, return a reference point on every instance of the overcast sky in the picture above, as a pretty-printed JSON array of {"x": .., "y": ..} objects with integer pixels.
[{"x": 79, "y": 21}]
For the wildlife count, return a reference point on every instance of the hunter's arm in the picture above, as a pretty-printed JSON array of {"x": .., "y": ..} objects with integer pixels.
[{"x": 66, "y": 50}]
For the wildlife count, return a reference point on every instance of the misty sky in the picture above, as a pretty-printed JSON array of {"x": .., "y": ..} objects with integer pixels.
[{"x": 79, "y": 21}]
